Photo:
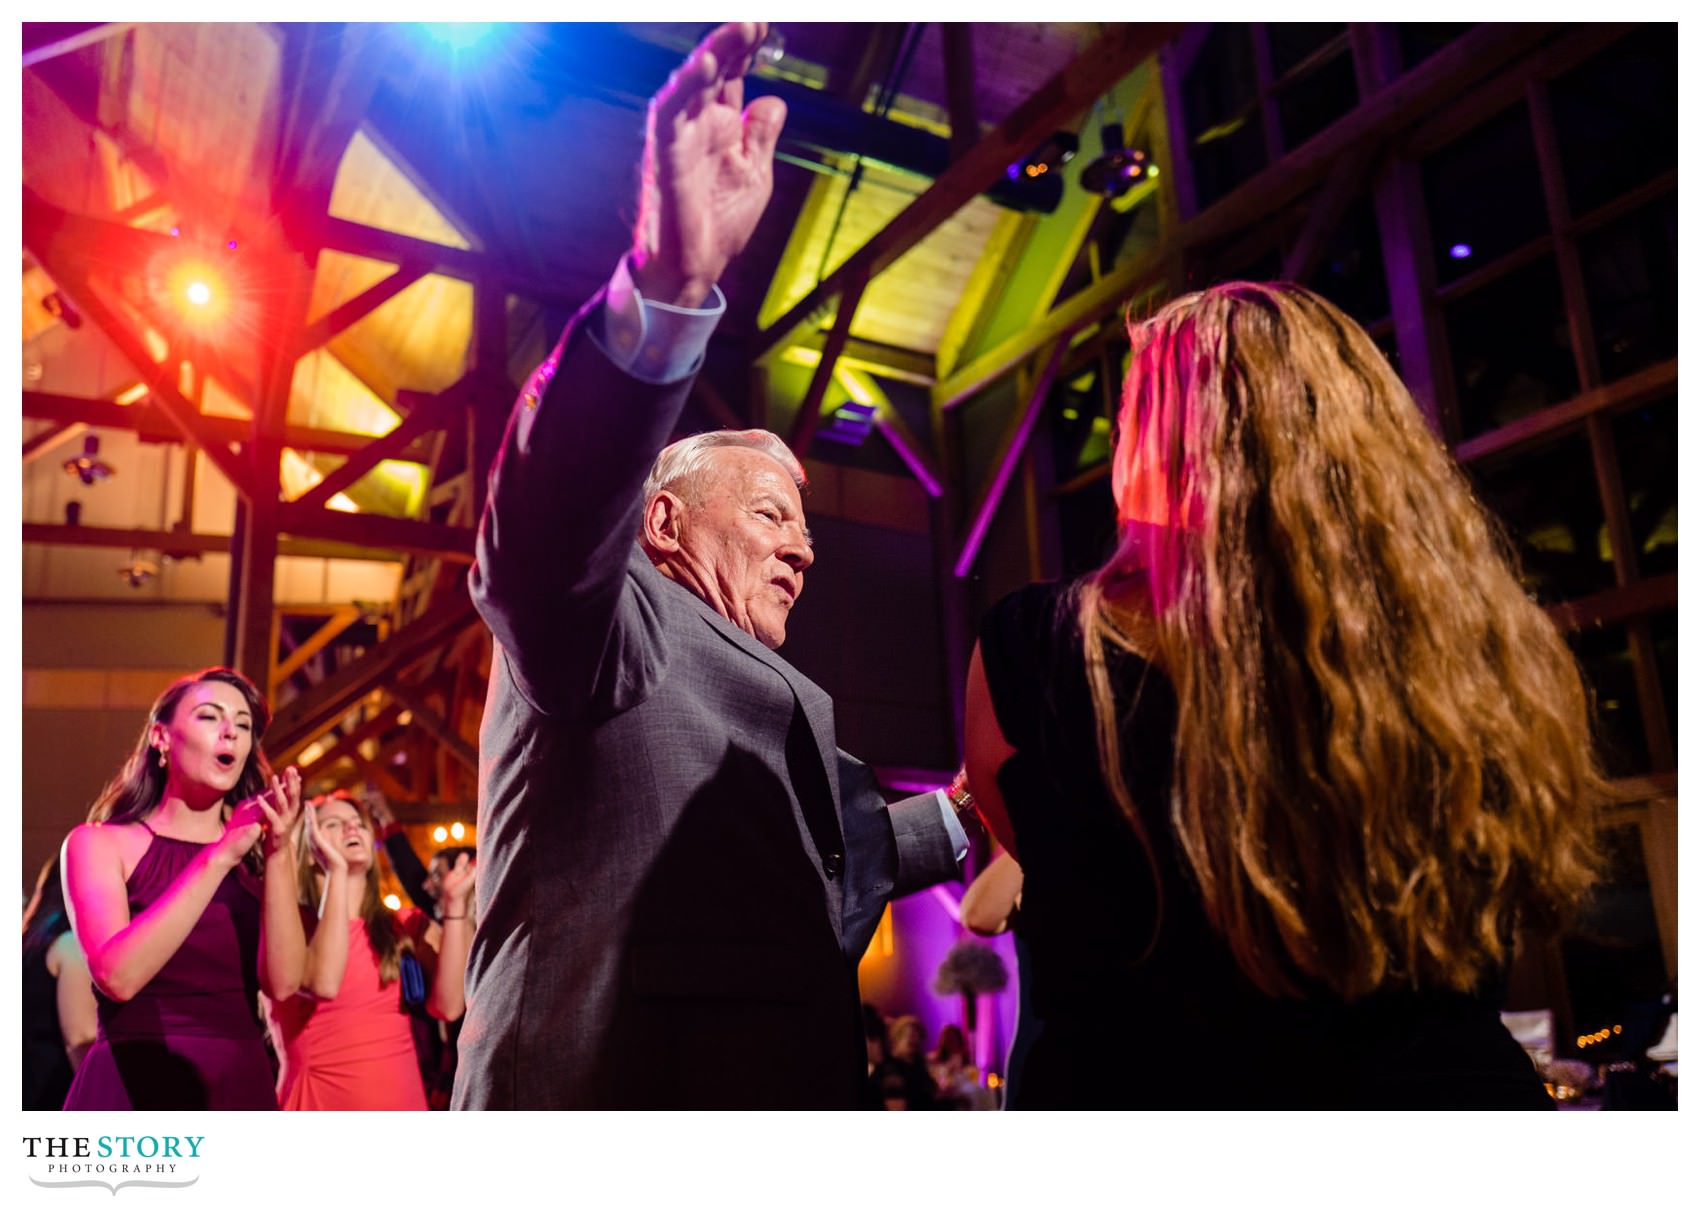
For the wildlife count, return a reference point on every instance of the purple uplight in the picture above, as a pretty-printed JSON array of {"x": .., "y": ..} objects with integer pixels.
[{"x": 1459, "y": 251}]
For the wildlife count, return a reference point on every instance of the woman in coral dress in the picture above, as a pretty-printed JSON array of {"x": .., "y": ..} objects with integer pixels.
[{"x": 344, "y": 1039}]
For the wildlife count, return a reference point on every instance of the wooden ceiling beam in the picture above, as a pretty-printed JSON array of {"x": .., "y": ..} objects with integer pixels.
[
  {"x": 152, "y": 426},
  {"x": 346, "y": 746},
  {"x": 309, "y": 713},
  {"x": 877, "y": 358},
  {"x": 1010, "y": 448},
  {"x": 1065, "y": 95},
  {"x": 359, "y": 307},
  {"x": 452, "y": 742},
  {"x": 451, "y": 543},
  {"x": 431, "y": 414},
  {"x": 808, "y": 412},
  {"x": 179, "y": 410},
  {"x": 464, "y": 264},
  {"x": 68, "y": 43},
  {"x": 180, "y": 543},
  {"x": 50, "y": 439}
]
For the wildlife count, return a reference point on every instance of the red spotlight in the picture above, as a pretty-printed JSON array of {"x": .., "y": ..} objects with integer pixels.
[{"x": 199, "y": 293}]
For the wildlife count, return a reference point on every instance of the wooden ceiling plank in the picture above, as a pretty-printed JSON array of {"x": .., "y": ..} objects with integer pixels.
[
  {"x": 1117, "y": 52},
  {"x": 1398, "y": 106}
]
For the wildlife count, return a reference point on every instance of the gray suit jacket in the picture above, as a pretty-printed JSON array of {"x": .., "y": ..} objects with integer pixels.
[{"x": 678, "y": 869}]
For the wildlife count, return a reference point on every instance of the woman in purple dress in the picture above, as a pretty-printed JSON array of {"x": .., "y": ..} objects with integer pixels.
[{"x": 182, "y": 894}]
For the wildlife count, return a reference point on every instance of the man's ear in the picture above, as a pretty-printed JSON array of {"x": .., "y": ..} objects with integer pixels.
[{"x": 663, "y": 521}]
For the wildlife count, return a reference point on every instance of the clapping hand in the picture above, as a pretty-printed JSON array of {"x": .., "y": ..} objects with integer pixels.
[
  {"x": 270, "y": 816},
  {"x": 329, "y": 854},
  {"x": 707, "y": 169},
  {"x": 458, "y": 882},
  {"x": 281, "y": 806}
]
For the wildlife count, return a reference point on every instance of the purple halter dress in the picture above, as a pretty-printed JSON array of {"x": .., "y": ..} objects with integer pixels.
[{"x": 191, "y": 1039}]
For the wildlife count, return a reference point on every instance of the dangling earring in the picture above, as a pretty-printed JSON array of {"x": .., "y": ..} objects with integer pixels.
[{"x": 162, "y": 759}]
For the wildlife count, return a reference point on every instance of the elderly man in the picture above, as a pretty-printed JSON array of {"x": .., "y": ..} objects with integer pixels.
[{"x": 680, "y": 870}]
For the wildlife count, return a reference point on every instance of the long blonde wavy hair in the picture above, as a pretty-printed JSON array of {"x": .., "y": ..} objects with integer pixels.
[{"x": 1383, "y": 754}]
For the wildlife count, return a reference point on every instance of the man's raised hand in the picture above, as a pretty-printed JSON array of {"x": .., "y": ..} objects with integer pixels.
[{"x": 707, "y": 169}]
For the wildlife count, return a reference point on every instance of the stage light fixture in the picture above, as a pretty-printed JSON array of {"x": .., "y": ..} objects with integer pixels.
[
  {"x": 138, "y": 572},
  {"x": 851, "y": 423},
  {"x": 1048, "y": 157},
  {"x": 89, "y": 467},
  {"x": 1119, "y": 169},
  {"x": 57, "y": 305}
]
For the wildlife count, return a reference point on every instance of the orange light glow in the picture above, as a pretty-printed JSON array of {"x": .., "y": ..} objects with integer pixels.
[{"x": 197, "y": 291}]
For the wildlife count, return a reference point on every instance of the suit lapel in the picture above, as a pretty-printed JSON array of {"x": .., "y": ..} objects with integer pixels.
[{"x": 816, "y": 703}]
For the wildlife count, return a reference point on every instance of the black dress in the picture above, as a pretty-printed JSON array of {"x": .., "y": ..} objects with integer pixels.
[
  {"x": 47, "y": 1068},
  {"x": 1183, "y": 1028}
]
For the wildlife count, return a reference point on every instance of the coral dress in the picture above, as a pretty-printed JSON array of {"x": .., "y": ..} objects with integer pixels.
[
  {"x": 191, "y": 1037},
  {"x": 353, "y": 1052}
]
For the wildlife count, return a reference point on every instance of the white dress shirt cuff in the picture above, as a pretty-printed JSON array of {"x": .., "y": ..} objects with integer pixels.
[
  {"x": 958, "y": 837},
  {"x": 654, "y": 342}
]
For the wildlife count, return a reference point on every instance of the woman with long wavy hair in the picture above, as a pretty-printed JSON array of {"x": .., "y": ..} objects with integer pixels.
[
  {"x": 181, "y": 890},
  {"x": 1290, "y": 770},
  {"x": 345, "y": 1039}
]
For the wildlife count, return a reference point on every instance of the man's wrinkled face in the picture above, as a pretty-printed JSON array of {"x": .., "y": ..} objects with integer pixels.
[{"x": 742, "y": 538}]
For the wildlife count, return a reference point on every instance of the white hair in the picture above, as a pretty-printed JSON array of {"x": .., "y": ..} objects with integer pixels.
[{"x": 683, "y": 464}]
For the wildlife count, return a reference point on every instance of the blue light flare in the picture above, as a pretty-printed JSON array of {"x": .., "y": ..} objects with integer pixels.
[
  {"x": 1459, "y": 251},
  {"x": 457, "y": 36}
]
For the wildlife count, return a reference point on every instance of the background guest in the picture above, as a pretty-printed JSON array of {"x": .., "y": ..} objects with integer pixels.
[
  {"x": 344, "y": 1036},
  {"x": 59, "y": 1016},
  {"x": 955, "y": 1078},
  {"x": 903, "y": 1080}
]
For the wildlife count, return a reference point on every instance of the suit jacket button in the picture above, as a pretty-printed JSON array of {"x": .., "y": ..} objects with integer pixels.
[{"x": 834, "y": 865}]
